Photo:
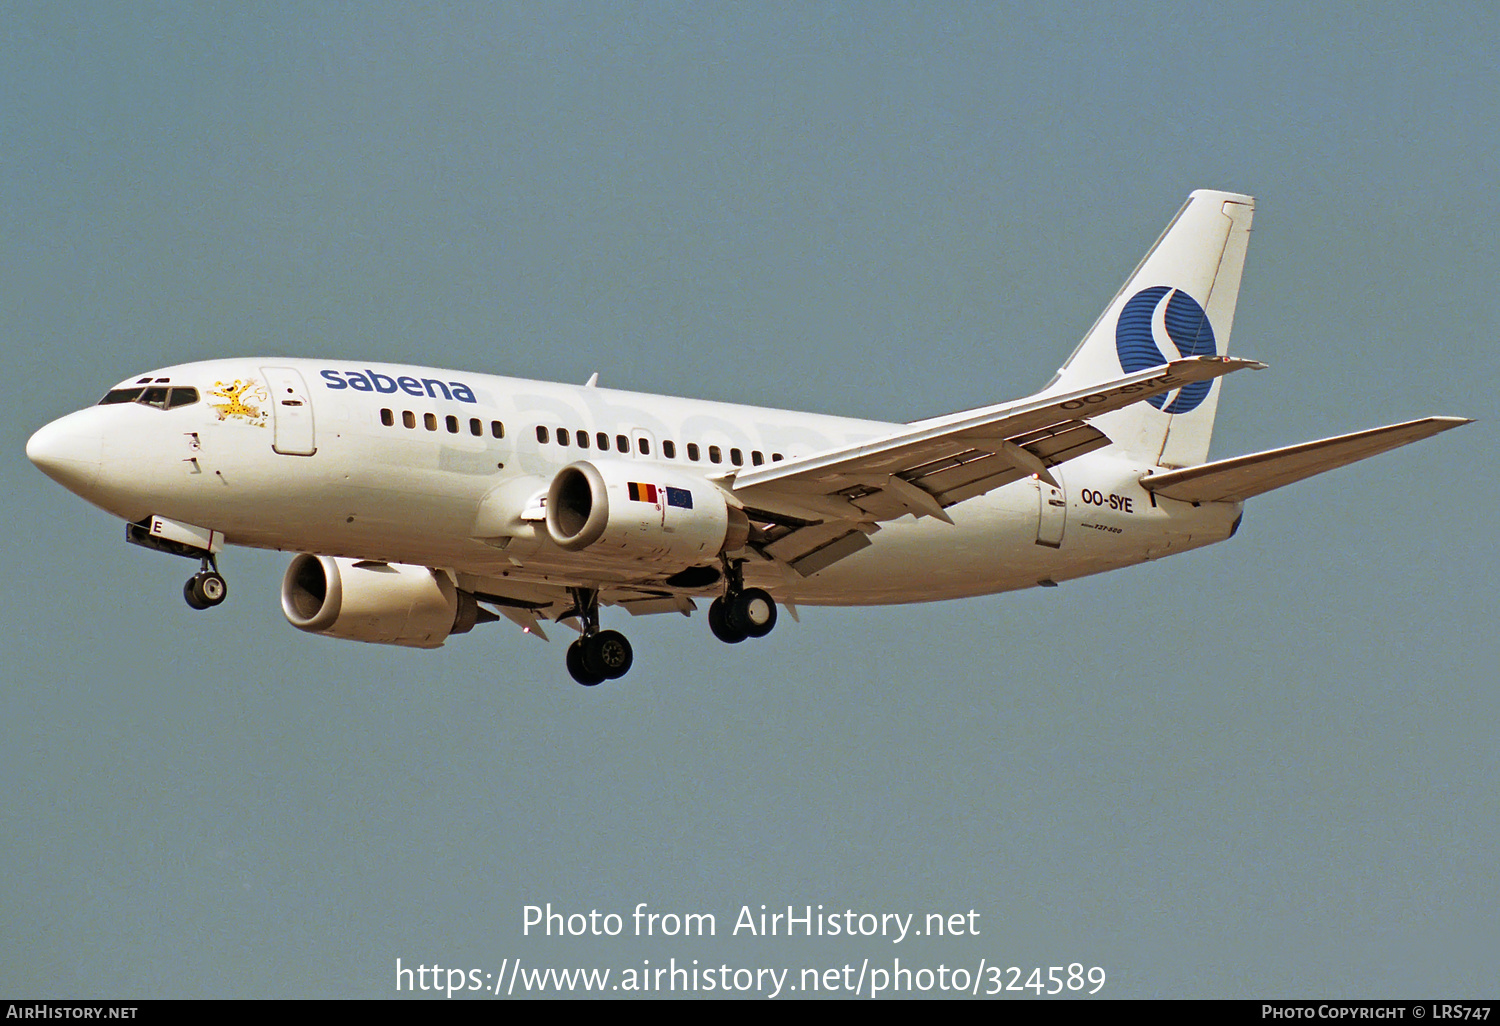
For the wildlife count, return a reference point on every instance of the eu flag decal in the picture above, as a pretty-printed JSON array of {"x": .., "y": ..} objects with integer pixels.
[
  {"x": 679, "y": 497},
  {"x": 642, "y": 492}
]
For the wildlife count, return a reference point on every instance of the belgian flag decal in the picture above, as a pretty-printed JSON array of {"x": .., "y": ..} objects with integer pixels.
[{"x": 682, "y": 498}]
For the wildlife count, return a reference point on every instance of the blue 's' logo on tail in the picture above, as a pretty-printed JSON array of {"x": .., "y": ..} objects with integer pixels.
[{"x": 1154, "y": 317}]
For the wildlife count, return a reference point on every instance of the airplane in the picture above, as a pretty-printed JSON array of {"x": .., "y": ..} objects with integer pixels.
[{"x": 422, "y": 502}]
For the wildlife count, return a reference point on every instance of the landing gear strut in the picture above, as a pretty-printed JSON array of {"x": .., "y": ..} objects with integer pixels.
[
  {"x": 598, "y": 656},
  {"x": 742, "y": 612},
  {"x": 207, "y": 587}
]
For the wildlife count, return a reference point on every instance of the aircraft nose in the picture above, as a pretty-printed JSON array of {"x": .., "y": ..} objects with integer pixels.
[{"x": 67, "y": 451}]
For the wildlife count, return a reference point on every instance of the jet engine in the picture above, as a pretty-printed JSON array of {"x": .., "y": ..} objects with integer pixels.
[
  {"x": 642, "y": 511},
  {"x": 385, "y": 603}
]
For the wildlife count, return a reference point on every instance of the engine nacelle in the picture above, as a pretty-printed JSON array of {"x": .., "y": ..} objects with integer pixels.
[
  {"x": 384, "y": 603},
  {"x": 642, "y": 511}
]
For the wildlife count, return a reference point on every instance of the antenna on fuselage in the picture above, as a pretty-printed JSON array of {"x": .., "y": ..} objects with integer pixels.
[{"x": 593, "y": 381}]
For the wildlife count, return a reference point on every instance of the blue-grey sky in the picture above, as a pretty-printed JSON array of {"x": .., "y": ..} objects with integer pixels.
[{"x": 1265, "y": 768}]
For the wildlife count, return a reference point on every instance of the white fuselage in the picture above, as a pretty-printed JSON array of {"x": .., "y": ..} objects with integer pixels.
[{"x": 407, "y": 465}]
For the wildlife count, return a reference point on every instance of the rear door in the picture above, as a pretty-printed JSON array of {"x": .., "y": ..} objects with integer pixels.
[{"x": 1052, "y": 513}]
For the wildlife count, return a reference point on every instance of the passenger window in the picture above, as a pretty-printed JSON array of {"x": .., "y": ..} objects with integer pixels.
[
  {"x": 541, "y": 434},
  {"x": 476, "y": 427},
  {"x": 644, "y": 445},
  {"x": 603, "y": 441},
  {"x": 388, "y": 418},
  {"x": 497, "y": 429},
  {"x": 622, "y": 443},
  {"x": 756, "y": 458},
  {"x": 714, "y": 455},
  {"x": 430, "y": 419},
  {"x": 583, "y": 439},
  {"x": 562, "y": 436},
  {"x": 776, "y": 457},
  {"x": 736, "y": 457},
  {"x": 693, "y": 451},
  {"x": 452, "y": 424},
  {"x": 669, "y": 449},
  {"x": 409, "y": 418}
]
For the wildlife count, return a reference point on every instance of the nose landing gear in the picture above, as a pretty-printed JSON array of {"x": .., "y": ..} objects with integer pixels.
[{"x": 206, "y": 588}]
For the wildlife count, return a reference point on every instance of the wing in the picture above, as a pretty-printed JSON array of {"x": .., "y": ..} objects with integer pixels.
[
  {"x": 1235, "y": 480},
  {"x": 824, "y": 507}
]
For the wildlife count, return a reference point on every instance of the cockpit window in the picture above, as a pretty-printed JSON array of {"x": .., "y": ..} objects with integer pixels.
[{"x": 158, "y": 396}]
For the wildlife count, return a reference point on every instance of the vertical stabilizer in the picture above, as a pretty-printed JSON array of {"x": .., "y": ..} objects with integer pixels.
[{"x": 1178, "y": 302}]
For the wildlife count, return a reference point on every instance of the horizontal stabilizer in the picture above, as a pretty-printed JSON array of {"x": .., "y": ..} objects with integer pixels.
[{"x": 1237, "y": 479}]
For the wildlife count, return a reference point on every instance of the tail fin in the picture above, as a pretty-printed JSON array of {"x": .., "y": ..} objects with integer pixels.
[{"x": 1178, "y": 302}]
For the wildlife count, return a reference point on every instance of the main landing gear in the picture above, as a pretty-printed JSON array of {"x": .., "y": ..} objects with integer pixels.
[
  {"x": 598, "y": 656},
  {"x": 742, "y": 612},
  {"x": 207, "y": 587}
]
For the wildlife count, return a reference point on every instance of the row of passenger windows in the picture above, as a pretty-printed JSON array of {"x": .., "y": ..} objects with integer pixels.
[
  {"x": 643, "y": 446},
  {"x": 452, "y": 423},
  {"x": 582, "y": 439}
]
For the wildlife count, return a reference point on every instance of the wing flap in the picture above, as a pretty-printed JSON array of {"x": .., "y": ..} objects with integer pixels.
[
  {"x": 810, "y": 549},
  {"x": 1240, "y": 478},
  {"x": 646, "y": 605},
  {"x": 983, "y": 469}
]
